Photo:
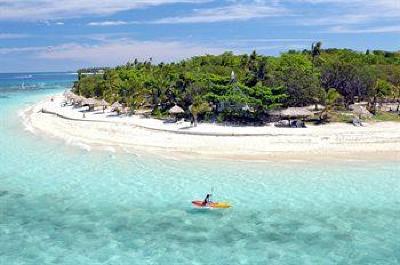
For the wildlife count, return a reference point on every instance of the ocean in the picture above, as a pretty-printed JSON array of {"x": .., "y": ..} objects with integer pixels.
[{"x": 62, "y": 204}]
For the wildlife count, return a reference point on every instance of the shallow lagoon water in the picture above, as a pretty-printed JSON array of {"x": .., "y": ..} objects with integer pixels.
[{"x": 60, "y": 204}]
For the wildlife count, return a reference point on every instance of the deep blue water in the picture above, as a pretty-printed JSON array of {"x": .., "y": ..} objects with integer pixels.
[{"x": 63, "y": 205}]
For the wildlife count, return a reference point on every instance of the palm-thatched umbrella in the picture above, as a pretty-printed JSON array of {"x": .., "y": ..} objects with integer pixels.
[
  {"x": 116, "y": 106},
  {"x": 67, "y": 93},
  {"x": 292, "y": 112},
  {"x": 296, "y": 112},
  {"x": 104, "y": 104},
  {"x": 90, "y": 102},
  {"x": 70, "y": 96},
  {"x": 175, "y": 111},
  {"x": 77, "y": 99},
  {"x": 66, "y": 99},
  {"x": 360, "y": 111}
]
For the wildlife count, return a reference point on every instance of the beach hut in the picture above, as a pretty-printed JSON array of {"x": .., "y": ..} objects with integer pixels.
[
  {"x": 296, "y": 112},
  {"x": 77, "y": 100},
  {"x": 291, "y": 113},
  {"x": 360, "y": 111},
  {"x": 176, "y": 111},
  {"x": 104, "y": 104},
  {"x": 67, "y": 97},
  {"x": 68, "y": 94},
  {"x": 144, "y": 112},
  {"x": 90, "y": 102},
  {"x": 116, "y": 107}
]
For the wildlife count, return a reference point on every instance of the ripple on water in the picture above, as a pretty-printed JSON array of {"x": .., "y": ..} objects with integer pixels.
[
  {"x": 47, "y": 227},
  {"x": 63, "y": 205}
]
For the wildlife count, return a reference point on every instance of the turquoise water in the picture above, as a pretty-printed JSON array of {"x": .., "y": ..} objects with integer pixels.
[{"x": 63, "y": 205}]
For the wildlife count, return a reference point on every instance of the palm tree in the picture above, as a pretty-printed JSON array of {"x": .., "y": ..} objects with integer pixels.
[
  {"x": 381, "y": 90},
  {"x": 197, "y": 108},
  {"x": 315, "y": 50},
  {"x": 330, "y": 99}
]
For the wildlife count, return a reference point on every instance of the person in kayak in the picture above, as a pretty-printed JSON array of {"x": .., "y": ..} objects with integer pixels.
[{"x": 206, "y": 200}]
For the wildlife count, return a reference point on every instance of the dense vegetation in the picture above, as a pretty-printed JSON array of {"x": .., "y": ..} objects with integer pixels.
[{"x": 245, "y": 87}]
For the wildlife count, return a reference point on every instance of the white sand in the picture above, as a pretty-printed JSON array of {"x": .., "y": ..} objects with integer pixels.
[{"x": 111, "y": 132}]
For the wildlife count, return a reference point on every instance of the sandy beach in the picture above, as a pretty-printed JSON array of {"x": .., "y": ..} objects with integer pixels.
[{"x": 108, "y": 131}]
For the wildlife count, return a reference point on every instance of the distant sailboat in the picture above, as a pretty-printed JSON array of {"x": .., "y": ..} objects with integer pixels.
[{"x": 23, "y": 85}]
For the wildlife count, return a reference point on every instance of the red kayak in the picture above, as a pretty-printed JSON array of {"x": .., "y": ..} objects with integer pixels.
[{"x": 216, "y": 205}]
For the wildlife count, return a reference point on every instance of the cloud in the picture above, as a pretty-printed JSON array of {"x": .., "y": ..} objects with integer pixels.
[
  {"x": 296, "y": 12},
  {"x": 51, "y": 23},
  {"x": 351, "y": 12},
  {"x": 233, "y": 12},
  {"x": 382, "y": 29},
  {"x": 121, "y": 51},
  {"x": 108, "y": 23},
  {"x": 343, "y": 16},
  {"x": 14, "y": 50},
  {"x": 274, "y": 40},
  {"x": 33, "y": 10},
  {"x": 333, "y": 19},
  {"x": 10, "y": 36}
]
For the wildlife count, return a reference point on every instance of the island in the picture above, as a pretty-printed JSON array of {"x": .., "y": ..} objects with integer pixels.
[{"x": 307, "y": 105}]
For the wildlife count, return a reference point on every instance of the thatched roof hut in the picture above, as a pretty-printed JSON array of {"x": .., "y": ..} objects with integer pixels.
[
  {"x": 77, "y": 99},
  {"x": 102, "y": 103},
  {"x": 88, "y": 102},
  {"x": 360, "y": 111},
  {"x": 68, "y": 94},
  {"x": 176, "y": 110},
  {"x": 143, "y": 111},
  {"x": 292, "y": 112},
  {"x": 116, "y": 106}
]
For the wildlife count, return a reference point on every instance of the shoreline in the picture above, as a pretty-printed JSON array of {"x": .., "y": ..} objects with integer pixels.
[{"x": 336, "y": 141}]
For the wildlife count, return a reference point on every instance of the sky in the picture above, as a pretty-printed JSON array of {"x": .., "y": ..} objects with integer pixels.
[{"x": 65, "y": 35}]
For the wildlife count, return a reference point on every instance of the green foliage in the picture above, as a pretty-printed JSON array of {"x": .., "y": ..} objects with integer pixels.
[
  {"x": 340, "y": 117},
  {"x": 387, "y": 116},
  {"x": 259, "y": 83},
  {"x": 295, "y": 73},
  {"x": 198, "y": 107},
  {"x": 331, "y": 98},
  {"x": 383, "y": 88}
]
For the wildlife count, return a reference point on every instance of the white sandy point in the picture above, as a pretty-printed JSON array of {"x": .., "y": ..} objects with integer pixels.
[{"x": 333, "y": 141}]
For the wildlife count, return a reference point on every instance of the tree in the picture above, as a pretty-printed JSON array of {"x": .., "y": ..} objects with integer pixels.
[
  {"x": 330, "y": 99},
  {"x": 260, "y": 83},
  {"x": 391, "y": 73},
  {"x": 295, "y": 73},
  {"x": 381, "y": 89},
  {"x": 315, "y": 51},
  {"x": 348, "y": 74},
  {"x": 198, "y": 107}
]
